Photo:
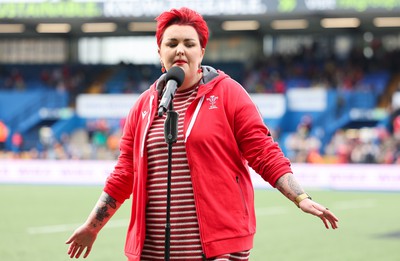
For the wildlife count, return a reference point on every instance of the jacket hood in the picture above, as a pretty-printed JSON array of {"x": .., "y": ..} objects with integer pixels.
[{"x": 209, "y": 73}]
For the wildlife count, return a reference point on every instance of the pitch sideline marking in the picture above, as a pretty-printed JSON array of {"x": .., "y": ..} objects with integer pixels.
[{"x": 70, "y": 227}]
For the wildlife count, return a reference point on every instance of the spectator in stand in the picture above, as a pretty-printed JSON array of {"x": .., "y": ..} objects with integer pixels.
[
  {"x": 3, "y": 135},
  {"x": 396, "y": 127},
  {"x": 301, "y": 145},
  {"x": 16, "y": 142},
  {"x": 278, "y": 83}
]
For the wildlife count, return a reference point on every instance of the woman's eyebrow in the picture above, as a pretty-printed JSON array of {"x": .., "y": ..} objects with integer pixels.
[{"x": 185, "y": 40}]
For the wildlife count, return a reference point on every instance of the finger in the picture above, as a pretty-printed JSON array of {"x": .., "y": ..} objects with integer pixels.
[
  {"x": 71, "y": 247},
  {"x": 78, "y": 254},
  {"x": 323, "y": 216},
  {"x": 333, "y": 223},
  {"x": 88, "y": 249},
  {"x": 331, "y": 218},
  {"x": 72, "y": 255},
  {"x": 328, "y": 213},
  {"x": 72, "y": 252},
  {"x": 324, "y": 220},
  {"x": 70, "y": 239}
]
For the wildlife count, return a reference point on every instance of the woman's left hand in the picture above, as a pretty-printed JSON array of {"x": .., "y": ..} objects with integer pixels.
[{"x": 313, "y": 208}]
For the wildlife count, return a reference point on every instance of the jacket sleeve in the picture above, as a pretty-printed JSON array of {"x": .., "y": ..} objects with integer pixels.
[
  {"x": 255, "y": 141},
  {"x": 119, "y": 182}
]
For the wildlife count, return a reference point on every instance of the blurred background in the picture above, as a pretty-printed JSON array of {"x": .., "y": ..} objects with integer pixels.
[{"x": 325, "y": 75}]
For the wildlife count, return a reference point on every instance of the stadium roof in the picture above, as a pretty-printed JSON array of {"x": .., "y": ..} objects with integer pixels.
[{"x": 135, "y": 17}]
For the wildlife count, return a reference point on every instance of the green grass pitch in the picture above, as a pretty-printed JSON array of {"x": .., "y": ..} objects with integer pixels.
[{"x": 36, "y": 221}]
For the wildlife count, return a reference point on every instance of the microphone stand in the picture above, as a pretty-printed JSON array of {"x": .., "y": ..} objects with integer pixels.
[{"x": 171, "y": 135}]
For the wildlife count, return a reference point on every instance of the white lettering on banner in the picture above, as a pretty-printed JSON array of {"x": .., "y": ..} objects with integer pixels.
[
  {"x": 105, "y": 105},
  {"x": 55, "y": 171},
  {"x": 307, "y": 99},
  {"x": 125, "y": 8},
  {"x": 361, "y": 177},
  {"x": 320, "y": 4},
  {"x": 132, "y": 8}
]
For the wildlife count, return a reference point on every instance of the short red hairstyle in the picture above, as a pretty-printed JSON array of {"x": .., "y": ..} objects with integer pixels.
[{"x": 182, "y": 16}]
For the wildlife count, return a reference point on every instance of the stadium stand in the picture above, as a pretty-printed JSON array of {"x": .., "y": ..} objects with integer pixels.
[
  {"x": 35, "y": 111},
  {"x": 38, "y": 100}
]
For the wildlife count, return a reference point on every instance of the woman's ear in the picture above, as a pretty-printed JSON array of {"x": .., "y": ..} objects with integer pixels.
[{"x": 203, "y": 51}]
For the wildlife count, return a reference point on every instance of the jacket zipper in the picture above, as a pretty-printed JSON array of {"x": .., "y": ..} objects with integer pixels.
[
  {"x": 187, "y": 133},
  {"x": 147, "y": 125},
  {"x": 194, "y": 117},
  {"x": 242, "y": 195}
]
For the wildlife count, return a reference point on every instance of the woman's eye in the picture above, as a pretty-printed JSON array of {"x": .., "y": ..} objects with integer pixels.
[{"x": 176, "y": 44}]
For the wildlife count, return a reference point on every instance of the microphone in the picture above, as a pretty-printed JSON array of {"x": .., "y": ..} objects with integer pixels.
[{"x": 174, "y": 79}]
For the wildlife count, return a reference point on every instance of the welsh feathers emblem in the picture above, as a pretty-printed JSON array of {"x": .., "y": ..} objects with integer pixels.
[{"x": 212, "y": 100}]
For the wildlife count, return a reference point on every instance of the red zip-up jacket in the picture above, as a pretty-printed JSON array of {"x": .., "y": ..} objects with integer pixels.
[{"x": 224, "y": 134}]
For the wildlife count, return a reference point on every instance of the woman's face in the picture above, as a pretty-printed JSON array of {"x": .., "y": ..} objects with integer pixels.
[{"x": 180, "y": 46}]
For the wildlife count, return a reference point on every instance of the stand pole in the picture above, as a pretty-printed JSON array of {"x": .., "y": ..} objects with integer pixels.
[{"x": 171, "y": 135}]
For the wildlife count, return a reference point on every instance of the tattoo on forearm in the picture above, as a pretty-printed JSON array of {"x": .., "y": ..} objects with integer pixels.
[
  {"x": 294, "y": 186},
  {"x": 279, "y": 184},
  {"x": 102, "y": 212},
  {"x": 288, "y": 186},
  {"x": 110, "y": 201}
]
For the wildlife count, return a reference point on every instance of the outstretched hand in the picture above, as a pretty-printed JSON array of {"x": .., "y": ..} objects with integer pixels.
[
  {"x": 313, "y": 208},
  {"x": 81, "y": 240}
]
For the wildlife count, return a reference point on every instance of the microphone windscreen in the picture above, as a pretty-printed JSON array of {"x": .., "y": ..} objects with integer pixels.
[{"x": 177, "y": 74}]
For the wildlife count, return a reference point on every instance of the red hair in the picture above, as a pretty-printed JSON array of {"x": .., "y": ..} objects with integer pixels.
[{"x": 182, "y": 16}]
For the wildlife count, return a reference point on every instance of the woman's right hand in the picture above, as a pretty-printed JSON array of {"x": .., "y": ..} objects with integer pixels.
[{"x": 81, "y": 240}]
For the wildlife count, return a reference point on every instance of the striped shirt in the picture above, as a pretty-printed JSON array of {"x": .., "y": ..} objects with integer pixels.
[{"x": 185, "y": 237}]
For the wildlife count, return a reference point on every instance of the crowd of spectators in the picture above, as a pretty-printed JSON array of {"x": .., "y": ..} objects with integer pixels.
[
  {"x": 100, "y": 138},
  {"x": 277, "y": 73},
  {"x": 366, "y": 145},
  {"x": 100, "y": 141}
]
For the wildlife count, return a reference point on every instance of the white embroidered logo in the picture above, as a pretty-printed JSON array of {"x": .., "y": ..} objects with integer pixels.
[
  {"x": 212, "y": 100},
  {"x": 144, "y": 113}
]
